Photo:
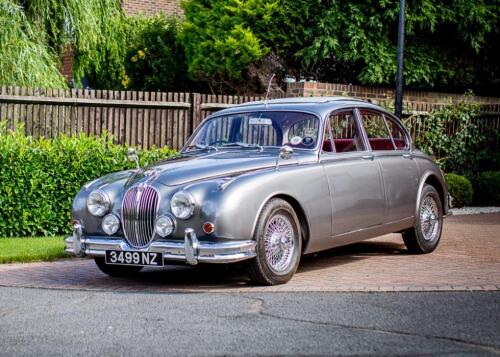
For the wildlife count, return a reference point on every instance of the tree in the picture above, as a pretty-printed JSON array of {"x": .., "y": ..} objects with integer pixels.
[
  {"x": 43, "y": 30},
  {"x": 446, "y": 41},
  {"x": 91, "y": 28},
  {"x": 26, "y": 58},
  {"x": 449, "y": 44},
  {"x": 220, "y": 42},
  {"x": 155, "y": 58}
]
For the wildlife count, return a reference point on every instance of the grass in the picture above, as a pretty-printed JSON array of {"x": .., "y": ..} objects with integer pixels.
[{"x": 22, "y": 250}]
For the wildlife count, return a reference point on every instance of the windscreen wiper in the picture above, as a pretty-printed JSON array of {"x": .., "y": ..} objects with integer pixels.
[
  {"x": 203, "y": 147},
  {"x": 244, "y": 145}
]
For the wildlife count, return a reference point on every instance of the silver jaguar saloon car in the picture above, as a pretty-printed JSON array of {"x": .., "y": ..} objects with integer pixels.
[{"x": 262, "y": 184}]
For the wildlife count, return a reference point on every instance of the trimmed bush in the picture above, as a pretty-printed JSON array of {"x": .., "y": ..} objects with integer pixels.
[
  {"x": 487, "y": 188},
  {"x": 40, "y": 177},
  {"x": 460, "y": 189}
]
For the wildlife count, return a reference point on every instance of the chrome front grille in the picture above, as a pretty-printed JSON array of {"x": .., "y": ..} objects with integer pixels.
[{"x": 139, "y": 207}]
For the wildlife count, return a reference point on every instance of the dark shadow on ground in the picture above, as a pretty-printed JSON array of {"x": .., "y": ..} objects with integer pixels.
[{"x": 234, "y": 275}]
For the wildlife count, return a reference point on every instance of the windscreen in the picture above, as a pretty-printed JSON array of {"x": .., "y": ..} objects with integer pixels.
[{"x": 263, "y": 129}]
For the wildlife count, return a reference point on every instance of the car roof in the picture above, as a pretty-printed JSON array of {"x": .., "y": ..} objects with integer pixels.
[{"x": 318, "y": 105}]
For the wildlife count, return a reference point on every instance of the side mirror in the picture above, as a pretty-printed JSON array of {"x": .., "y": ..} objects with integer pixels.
[
  {"x": 286, "y": 152},
  {"x": 132, "y": 156}
]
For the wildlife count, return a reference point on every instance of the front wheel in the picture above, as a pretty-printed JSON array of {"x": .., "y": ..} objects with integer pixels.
[
  {"x": 121, "y": 271},
  {"x": 278, "y": 244},
  {"x": 424, "y": 236}
]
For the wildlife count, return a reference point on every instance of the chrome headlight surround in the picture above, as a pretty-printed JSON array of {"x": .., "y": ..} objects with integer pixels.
[
  {"x": 164, "y": 225},
  {"x": 98, "y": 203},
  {"x": 110, "y": 224},
  {"x": 182, "y": 205}
]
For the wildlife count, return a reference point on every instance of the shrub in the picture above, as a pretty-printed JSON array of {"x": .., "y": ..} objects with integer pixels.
[
  {"x": 155, "y": 59},
  {"x": 40, "y": 177},
  {"x": 460, "y": 188},
  {"x": 460, "y": 152},
  {"x": 487, "y": 188},
  {"x": 219, "y": 42}
]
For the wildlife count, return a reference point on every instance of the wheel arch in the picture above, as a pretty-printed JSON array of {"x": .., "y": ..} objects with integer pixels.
[
  {"x": 299, "y": 211},
  {"x": 433, "y": 180}
]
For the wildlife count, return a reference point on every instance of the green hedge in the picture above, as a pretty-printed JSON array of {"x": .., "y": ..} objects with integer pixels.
[
  {"x": 39, "y": 177},
  {"x": 460, "y": 188},
  {"x": 487, "y": 188}
]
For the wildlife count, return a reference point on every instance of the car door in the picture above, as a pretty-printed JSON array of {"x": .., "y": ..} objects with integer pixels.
[
  {"x": 354, "y": 177},
  {"x": 391, "y": 146}
]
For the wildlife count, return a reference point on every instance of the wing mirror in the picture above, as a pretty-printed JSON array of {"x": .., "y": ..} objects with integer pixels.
[
  {"x": 133, "y": 156},
  {"x": 286, "y": 152}
]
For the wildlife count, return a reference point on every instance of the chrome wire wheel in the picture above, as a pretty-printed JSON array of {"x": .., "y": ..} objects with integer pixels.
[
  {"x": 279, "y": 242},
  {"x": 429, "y": 219}
]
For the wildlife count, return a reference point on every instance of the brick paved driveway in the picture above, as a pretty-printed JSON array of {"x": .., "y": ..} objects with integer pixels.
[{"x": 468, "y": 258}]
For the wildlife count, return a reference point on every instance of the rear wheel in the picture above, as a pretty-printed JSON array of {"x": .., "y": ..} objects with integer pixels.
[
  {"x": 424, "y": 236},
  {"x": 278, "y": 244},
  {"x": 116, "y": 270}
]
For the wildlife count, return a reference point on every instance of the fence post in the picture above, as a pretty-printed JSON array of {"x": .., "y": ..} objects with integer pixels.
[{"x": 195, "y": 112}]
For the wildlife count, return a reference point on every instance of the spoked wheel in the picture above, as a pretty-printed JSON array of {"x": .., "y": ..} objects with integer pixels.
[
  {"x": 279, "y": 244},
  {"x": 120, "y": 271},
  {"x": 426, "y": 233}
]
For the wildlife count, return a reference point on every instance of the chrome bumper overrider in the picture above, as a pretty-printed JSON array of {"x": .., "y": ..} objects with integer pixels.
[{"x": 191, "y": 251}]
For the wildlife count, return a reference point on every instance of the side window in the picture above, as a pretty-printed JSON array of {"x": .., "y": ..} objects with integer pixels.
[
  {"x": 398, "y": 136},
  {"x": 377, "y": 130},
  {"x": 346, "y": 135}
]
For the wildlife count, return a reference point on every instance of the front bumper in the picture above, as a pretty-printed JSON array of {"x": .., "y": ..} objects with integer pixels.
[{"x": 191, "y": 251}]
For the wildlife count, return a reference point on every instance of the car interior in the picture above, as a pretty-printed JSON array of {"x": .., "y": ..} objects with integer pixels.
[{"x": 345, "y": 136}]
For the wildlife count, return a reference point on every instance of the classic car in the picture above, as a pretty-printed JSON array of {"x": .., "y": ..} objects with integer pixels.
[{"x": 262, "y": 184}]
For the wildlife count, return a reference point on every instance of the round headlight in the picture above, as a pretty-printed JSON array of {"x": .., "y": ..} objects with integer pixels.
[
  {"x": 98, "y": 203},
  {"x": 164, "y": 226},
  {"x": 110, "y": 224},
  {"x": 182, "y": 205}
]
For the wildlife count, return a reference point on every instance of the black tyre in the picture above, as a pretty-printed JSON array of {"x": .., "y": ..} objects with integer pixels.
[
  {"x": 424, "y": 236},
  {"x": 279, "y": 244},
  {"x": 120, "y": 271}
]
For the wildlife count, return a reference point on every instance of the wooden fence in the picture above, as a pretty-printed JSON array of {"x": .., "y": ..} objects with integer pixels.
[{"x": 140, "y": 119}]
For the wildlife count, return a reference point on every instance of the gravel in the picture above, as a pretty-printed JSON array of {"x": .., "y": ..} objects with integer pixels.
[{"x": 473, "y": 210}]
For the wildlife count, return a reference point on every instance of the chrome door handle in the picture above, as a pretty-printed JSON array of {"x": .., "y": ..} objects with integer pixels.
[
  {"x": 408, "y": 156},
  {"x": 368, "y": 157}
]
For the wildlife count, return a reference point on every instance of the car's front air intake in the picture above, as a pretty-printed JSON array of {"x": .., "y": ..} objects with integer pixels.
[{"x": 139, "y": 207}]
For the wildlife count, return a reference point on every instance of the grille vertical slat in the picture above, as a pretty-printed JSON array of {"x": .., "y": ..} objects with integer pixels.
[
  {"x": 147, "y": 213},
  {"x": 139, "y": 207}
]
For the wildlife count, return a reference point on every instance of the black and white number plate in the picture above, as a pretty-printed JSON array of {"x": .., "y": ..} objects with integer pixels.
[{"x": 117, "y": 257}]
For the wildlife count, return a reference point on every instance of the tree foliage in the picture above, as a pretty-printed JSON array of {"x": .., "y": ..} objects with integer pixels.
[
  {"x": 446, "y": 41},
  {"x": 26, "y": 58},
  {"x": 155, "y": 57},
  {"x": 449, "y": 44},
  {"x": 92, "y": 28},
  {"x": 35, "y": 33},
  {"x": 220, "y": 37}
]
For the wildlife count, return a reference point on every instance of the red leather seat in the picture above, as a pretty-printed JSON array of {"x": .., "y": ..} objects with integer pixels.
[
  {"x": 343, "y": 145},
  {"x": 327, "y": 145}
]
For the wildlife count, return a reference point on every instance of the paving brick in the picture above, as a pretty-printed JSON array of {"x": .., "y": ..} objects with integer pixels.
[{"x": 467, "y": 259}]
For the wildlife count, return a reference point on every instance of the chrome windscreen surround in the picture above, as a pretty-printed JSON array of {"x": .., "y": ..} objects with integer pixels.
[{"x": 138, "y": 213}]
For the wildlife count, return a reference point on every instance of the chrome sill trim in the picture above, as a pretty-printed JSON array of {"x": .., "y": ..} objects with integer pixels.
[{"x": 204, "y": 252}]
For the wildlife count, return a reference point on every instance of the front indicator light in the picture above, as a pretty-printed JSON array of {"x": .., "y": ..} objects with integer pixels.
[{"x": 208, "y": 227}]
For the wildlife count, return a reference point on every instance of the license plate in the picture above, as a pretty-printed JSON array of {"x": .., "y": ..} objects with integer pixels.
[{"x": 117, "y": 257}]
